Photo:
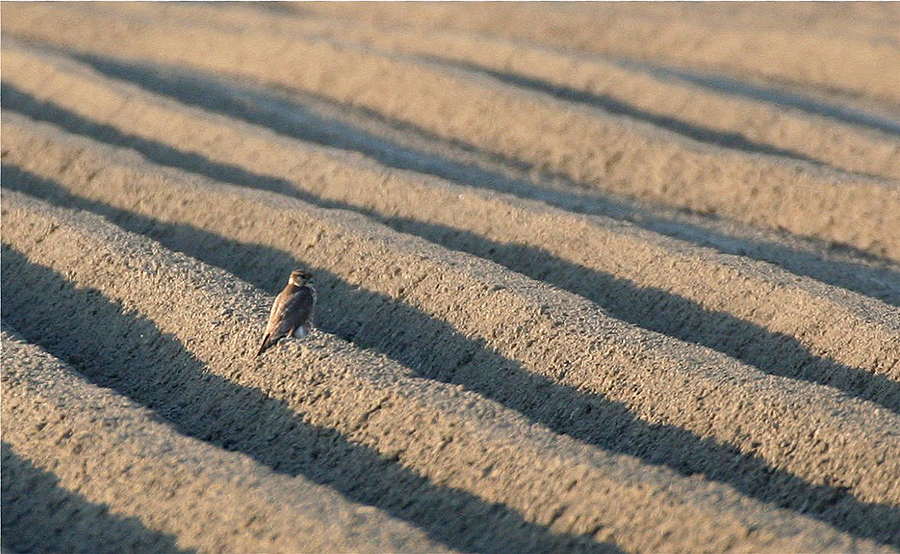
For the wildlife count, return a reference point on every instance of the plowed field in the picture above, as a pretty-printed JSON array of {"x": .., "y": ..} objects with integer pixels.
[{"x": 591, "y": 277}]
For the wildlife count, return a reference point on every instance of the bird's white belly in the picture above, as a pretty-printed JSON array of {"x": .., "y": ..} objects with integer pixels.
[{"x": 300, "y": 332}]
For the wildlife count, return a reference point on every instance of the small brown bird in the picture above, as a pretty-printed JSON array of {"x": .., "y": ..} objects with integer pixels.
[{"x": 292, "y": 311}]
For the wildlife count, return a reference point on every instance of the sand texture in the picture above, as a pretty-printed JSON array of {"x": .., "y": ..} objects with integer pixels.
[{"x": 591, "y": 277}]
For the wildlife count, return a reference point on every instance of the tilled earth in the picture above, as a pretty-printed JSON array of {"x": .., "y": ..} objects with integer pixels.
[{"x": 591, "y": 277}]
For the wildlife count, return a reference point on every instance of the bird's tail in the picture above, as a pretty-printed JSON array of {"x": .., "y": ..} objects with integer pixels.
[{"x": 265, "y": 344}]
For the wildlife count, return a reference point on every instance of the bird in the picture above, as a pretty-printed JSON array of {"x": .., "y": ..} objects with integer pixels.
[{"x": 292, "y": 311}]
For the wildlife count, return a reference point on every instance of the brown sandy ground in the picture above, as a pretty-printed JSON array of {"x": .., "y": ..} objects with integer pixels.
[
  {"x": 431, "y": 286},
  {"x": 442, "y": 212},
  {"x": 130, "y": 483},
  {"x": 100, "y": 99},
  {"x": 592, "y": 148},
  {"x": 212, "y": 392},
  {"x": 523, "y": 343},
  {"x": 680, "y": 105},
  {"x": 844, "y": 49}
]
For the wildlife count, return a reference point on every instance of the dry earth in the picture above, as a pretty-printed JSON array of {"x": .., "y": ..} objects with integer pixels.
[{"x": 592, "y": 277}]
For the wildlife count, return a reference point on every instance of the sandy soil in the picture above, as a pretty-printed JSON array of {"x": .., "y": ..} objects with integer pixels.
[{"x": 631, "y": 286}]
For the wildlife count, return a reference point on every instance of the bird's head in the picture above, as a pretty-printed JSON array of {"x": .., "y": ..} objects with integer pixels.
[{"x": 299, "y": 277}]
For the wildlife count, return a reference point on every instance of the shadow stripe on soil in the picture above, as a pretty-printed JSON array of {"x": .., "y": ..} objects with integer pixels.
[
  {"x": 657, "y": 310},
  {"x": 154, "y": 369},
  {"x": 650, "y": 308},
  {"x": 41, "y": 516},
  {"x": 732, "y": 86},
  {"x": 294, "y": 120},
  {"x": 735, "y": 141},
  {"x": 350, "y": 312}
]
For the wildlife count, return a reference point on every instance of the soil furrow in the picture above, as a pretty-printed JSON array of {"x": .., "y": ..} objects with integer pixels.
[
  {"x": 854, "y": 67},
  {"x": 330, "y": 125},
  {"x": 255, "y": 408},
  {"x": 215, "y": 392},
  {"x": 687, "y": 109},
  {"x": 87, "y": 470},
  {"x": 41, "y": 516},
  {"x": 522, "y": 330},
  {"x": 585, "y": 145},
  {"x": 837, "y": 108},
  {"x": 774, "y": 314}
]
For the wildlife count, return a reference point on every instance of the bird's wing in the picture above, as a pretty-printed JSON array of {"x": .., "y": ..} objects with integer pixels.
[
  {"x": 275, "y": 313},
  {"x": 297, "y": 310},
  {"x": 290, "y": 310},
  {"x": 274, "y": 327}
]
